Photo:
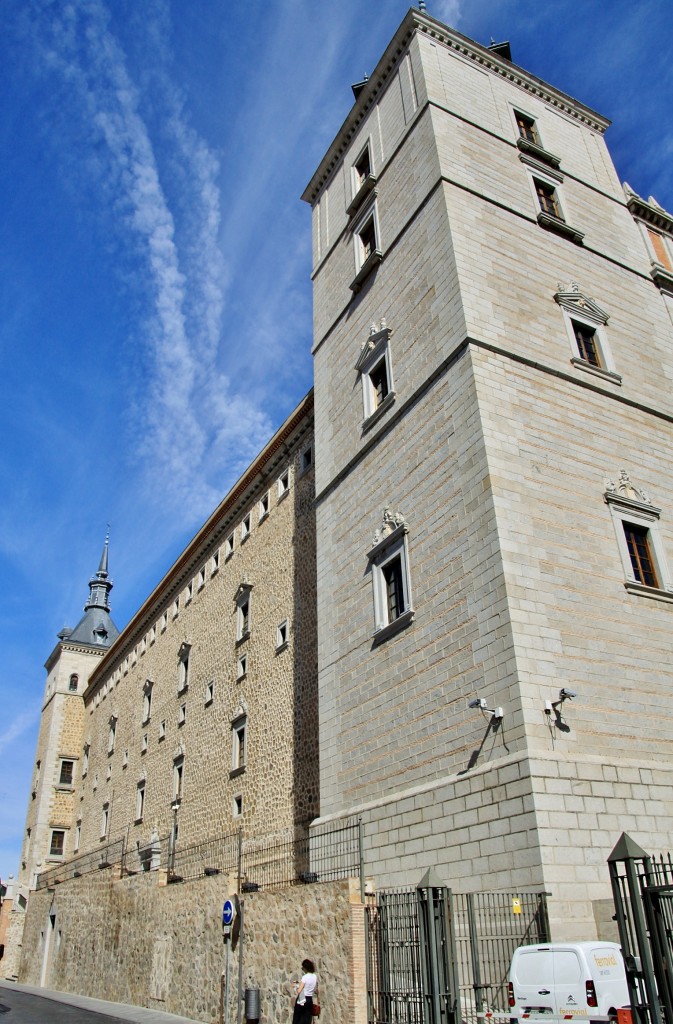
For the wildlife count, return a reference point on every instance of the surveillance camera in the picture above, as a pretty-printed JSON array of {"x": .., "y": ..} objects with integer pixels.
[
  {"x": 565, "y": 694},
  {"x": 478, "y": 702}
]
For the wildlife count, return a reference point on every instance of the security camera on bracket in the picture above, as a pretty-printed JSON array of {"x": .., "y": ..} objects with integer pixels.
[
  {"x": 480, "y": 703},
  {"x": 552, "y": 706}
]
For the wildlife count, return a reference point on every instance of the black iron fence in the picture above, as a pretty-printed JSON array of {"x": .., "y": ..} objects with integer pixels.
[
  {"x": 488, "y": 927},
  {"x": 482, "y": 932},
  {"x": 326, "y": 854},
  {"x": 642, "y": 890}
]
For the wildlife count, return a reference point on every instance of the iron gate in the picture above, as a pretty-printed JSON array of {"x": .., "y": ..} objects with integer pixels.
[
  {"x": 477, "y": 934},
  {"x": 642, "y": 890}
]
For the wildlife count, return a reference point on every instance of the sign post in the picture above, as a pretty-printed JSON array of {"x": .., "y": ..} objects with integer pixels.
[{"x": 228, "y": 917}]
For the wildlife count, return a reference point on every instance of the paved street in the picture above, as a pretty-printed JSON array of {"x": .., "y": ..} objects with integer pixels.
[{"x": 21, "y": 1004}]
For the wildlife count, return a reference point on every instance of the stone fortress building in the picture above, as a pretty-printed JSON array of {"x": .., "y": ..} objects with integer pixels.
[{"x": 456, "y": 583}]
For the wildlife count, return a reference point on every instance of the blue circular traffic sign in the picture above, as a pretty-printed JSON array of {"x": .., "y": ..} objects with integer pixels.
[{"x": 228, "y": 912}]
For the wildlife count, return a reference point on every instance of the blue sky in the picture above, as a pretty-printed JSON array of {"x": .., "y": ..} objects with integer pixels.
[{"x": 155, "y": 299}]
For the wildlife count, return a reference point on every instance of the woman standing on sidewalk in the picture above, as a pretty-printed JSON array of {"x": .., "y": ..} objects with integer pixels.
[{"x": 306, "y": 990}]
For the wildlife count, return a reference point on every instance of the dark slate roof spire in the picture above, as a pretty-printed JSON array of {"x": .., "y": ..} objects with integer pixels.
[
  {"x": 96, "y": 627},
  {"x": 100, "y": 585}
]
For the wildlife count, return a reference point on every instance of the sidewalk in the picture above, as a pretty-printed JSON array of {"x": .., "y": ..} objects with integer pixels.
[{"x": 124, "y": 1012}]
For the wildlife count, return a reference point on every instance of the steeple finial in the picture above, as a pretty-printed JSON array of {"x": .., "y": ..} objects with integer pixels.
[
  {"x": 100, "y": 585},
  {"x": 102, "y": 568}
]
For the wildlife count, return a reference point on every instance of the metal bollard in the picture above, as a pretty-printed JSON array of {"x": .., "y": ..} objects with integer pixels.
[{"x": 252, "y": 1004}]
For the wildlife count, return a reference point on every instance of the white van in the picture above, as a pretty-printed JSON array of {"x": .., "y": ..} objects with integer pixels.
[{"x": 568, "y": 980}]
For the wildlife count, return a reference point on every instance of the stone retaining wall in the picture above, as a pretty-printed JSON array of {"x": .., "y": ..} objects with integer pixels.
[{"x": 138, "y": 941}]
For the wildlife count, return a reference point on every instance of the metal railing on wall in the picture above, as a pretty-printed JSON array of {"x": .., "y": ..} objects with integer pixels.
[{"x": 329, "y": 853}]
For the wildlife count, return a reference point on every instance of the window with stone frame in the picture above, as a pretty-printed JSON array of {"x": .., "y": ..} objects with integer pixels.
[
  {"x": 73, "y": 683},
  {"x": 140, "y": 800},
  {"x": 389, "y": 567},
  {"x": 239, "y": 728},
  {"x": 242, "y": 667},
  {"x": 527, "y": 127},
  {"x": 243, "y": 600},
  {"x": 245, "y": 527},
  {"x": 548, "y": 199},
  {"x": 263, "y": 506},
  {"x": 210, "y": 692},
  {"x": 363, "y": 178},
  {"x": 282, "y": 635},
  {"x": 586, "y": 329},
  {"x": 374, "y": 365},
  {"x": 66, "y": 773},
  {"x": 112, "y": 733},
  {"x": 639, "y": 541},
  {"x": 283, "y": 484},
  {"x": 656, "y": 226},
  {"x": 148, "y": 686},
  {"x": 229, "y": 546},
  {"x": 78, "y": 835},
  {"x": 178, "y": 777},
  {"x": 105, "y": 820},
  {"x": 57, "y": 842},
  {"x": 184, "y": 655},
  {"x": 366, "y": 243}
]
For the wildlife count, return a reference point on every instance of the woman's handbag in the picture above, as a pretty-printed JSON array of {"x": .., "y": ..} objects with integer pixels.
[{"x": 315, "y": 1009}]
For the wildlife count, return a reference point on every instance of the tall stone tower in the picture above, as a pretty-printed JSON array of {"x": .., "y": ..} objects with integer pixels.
[
  {"x": 51, "y": 823},
  {"x": 493, "y": 482}
]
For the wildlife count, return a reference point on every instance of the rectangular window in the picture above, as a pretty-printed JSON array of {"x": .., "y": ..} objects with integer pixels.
[
  {"x": 264, "y": 507},
  {"x": 379, "y": 383},
  {"x": 201, "y": 578},
  {"x": 229, "y": 546},
  {"x": 245, "y": 528},
  {"x": 112, "y": 732},
  {"x": 548, "y": 199},
  {"x": 57, "y": 843},
  {"x": 105, "y": 820},
  {"x": 66, "y": 774},
  {"x": 178, "y": 778},
  {"x": 238, "y": 739},
  {"x": 125, "y": 759},
  {"x": 210, "y": 690},
  {"x": 242, "y": 666},
  {"x": 283, "y": 483},
  {"x": 143, "y": 744},
  {"x": 362, "y": 167},
  {"x": 189, "y": 590},
  {"x": 527, "y": 129},
  {"x": 306, "y": 459},
  {"x": 395, "y": 600},
  {"x": 140, "y": 801},
  {"x": 237, "y": 807},
  {"x": 660, "y": 249},
  {"x": 587, "y": 341},
  {"x": 282, "y": 635},
  {"x": 243, "y": 618},
  {"x": 640, "y": 553},
  {"x": 162, "y": 730},
  {"x": 183, "y": 667},
  {"x": 85, "y": 759},
  {"x": 367, "y": 235},
  {"x": 147, "y": 701},
  {"x": 390, "y": 577},
  {"x": 182, "y": 714},
  {"x": 215, "y": 565},
  {"x": 73, "y": 683},
  {"x": 78, "y": 834}
]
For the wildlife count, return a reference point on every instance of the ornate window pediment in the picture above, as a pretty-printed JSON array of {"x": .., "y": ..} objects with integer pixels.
[{"x": 574, "y": 301}]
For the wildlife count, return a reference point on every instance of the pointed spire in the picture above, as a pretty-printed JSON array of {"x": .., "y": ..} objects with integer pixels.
[
  {"x": 100, "y": 585},
  {"x": 95, "y": 628},
  {"x": 102, "y": 568}
]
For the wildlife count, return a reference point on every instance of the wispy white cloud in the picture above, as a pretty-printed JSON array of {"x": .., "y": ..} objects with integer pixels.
[
  {"x": 183, "y": 411},
  {"x": 19, "y": 725},
  {"x": 447, "y": 11}
]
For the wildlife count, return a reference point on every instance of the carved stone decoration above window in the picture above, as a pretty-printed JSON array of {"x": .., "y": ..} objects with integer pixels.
[
  {"x": 570, "y": 298},
  {"x": 391, "y": 521},
  {"x": 623, "y": 490}
]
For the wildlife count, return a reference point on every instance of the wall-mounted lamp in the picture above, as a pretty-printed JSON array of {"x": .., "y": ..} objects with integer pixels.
[
  {"x": 480, "y": 703},
  {"x": 552, "y": 706}
]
